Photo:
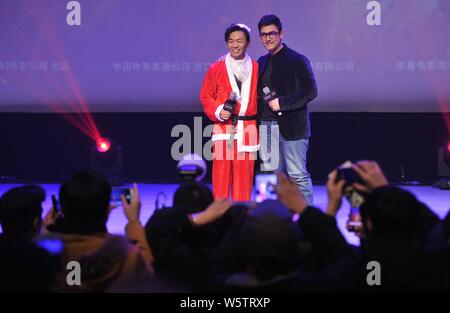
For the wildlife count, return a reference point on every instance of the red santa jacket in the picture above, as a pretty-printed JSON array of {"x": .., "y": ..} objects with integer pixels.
[{"x": 218, "y": 84}]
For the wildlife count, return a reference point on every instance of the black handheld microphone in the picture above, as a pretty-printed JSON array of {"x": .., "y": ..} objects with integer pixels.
[
  {"x": 269, "y": 96},
  {"x": 230, "y": 103}
]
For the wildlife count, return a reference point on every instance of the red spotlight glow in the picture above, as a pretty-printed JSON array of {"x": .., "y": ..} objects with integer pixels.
[
  {"x": 448, "y": 146},
  {"x": 103, "y": 144}
]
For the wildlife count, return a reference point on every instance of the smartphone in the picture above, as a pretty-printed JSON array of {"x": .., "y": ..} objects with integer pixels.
[
  {"x": 118, "y": 191},
  {"x": 354, "y": 223},
  {"x": 264, "y": 187},
  {"x": 349, "y": 175}
]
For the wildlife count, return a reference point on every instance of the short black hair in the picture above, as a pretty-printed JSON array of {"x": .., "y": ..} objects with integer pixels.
[
  {"x": 270, "y": 19},
  {"x": 193, "y": 196},
  {"x": 236, "y": 28},
  {"x": 85, "y": 198},
  {"x": 269, "y": 240},
  {"x": 20, "y": 207},
  {"x": 391, "y": 210}
]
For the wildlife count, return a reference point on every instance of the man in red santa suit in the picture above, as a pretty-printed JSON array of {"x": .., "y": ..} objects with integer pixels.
[{"x": 229, "y": 99}]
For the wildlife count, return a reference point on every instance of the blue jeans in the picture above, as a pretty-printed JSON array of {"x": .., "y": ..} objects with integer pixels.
[{"x": 288, "y": 156}]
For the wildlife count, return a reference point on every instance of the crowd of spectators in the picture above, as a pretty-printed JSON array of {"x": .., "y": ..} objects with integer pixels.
[{"x": 204, "y": 245}]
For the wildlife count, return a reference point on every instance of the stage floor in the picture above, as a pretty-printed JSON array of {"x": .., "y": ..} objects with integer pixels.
[{"x": 438, "y": 200}]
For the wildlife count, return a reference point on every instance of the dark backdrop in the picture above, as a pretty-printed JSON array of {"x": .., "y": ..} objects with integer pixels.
[{"x": 44, "y": 147}]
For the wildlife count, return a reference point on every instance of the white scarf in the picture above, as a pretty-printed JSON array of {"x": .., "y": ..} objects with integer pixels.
[{"x": 241, "y": 68}]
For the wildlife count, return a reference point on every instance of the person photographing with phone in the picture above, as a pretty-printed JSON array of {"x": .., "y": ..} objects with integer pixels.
[
  {"x": 355, "y": 182},
  {"x": 229, "y": 99},
  {"x": 85, "y": 204}
]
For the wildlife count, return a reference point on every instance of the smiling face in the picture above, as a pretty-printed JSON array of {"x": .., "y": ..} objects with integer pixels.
[
  {"x": 271, "y": 38},
  {"x": 237, "y": 45}
]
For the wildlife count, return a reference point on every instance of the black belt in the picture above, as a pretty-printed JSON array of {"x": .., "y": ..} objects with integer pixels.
[
  {"x": 234, "y": 119},
  {"x": 244, "y": 118}
]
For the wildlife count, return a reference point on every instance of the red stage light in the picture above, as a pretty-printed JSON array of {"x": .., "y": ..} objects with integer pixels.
[
  {"x": 448, "y": 146},
  {"x": 103, "y": 144}
]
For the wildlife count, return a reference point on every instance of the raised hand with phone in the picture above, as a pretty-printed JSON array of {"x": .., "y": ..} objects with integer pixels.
[
  {"x": 132, "y": 205},
  {"x": 52, "y": 215},
  {"x": 356, "y": 180}
]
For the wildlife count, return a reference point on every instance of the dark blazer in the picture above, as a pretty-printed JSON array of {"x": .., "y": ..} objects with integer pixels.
[{"x": 294, "y": 82}]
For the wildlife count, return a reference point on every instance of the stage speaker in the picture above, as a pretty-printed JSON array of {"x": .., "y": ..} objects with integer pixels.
[{"x": 109, "y": 163}]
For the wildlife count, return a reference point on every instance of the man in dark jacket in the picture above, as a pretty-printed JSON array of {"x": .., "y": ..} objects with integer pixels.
[{"x": 286, "y": 85}]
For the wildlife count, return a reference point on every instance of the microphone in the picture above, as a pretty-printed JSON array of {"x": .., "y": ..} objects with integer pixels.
[
  {"x": 230, "y": 103},
  {"x": 269, "y": 96}
]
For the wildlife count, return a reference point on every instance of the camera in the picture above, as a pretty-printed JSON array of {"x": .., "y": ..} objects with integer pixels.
[
  {"x": 191, "y": 168},
  {"x": 355, "y": 199},
  {"x": 349, "y": 175},
  {"x": 118, "y": 191}
]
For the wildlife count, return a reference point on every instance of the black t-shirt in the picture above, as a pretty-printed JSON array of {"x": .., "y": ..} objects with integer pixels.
[
  {"x": 238, "y": 82},
  {"x": 267, "y": 113}
]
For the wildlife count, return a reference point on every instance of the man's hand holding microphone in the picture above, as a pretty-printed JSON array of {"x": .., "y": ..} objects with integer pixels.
[
  {"x": 228, "y": 107},
  {"x": 271, "y": 98}
]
